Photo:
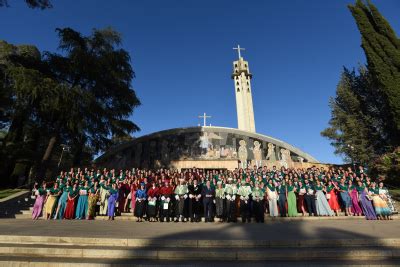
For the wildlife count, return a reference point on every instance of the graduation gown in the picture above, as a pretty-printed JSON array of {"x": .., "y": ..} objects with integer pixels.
[{"x": 194, "y": 201}]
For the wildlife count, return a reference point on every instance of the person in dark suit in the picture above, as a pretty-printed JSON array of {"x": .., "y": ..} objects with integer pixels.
[
  {"x": 194, "y": 201},
  {"x": 208, "y": 194}
]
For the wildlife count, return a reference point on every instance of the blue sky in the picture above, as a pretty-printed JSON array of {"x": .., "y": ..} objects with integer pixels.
[{"x": 182, "y": 55}]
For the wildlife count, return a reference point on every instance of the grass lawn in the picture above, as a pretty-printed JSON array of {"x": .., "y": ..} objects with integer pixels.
[{"x": 8, "y": 192}]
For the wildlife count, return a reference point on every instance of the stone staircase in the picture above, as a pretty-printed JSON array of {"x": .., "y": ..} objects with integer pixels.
[
  {"x": 48, "y": 250},
  {"x": 14, "y": 205},
  {"x": 128, "y": 216}
]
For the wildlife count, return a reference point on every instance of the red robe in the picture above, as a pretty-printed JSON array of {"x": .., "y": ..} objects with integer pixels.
[
  {"x": 133, "y": 197},
  {"x": 70, "y": 209},
  {"x": 166, "y": 191},
  {"x": 153, "y": 192}
]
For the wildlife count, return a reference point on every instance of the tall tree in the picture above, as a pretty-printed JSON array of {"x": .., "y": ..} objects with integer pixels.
[
  {"x": 382, "y": 49},
  {"x": 82, "y": 97},
  {"x": 357, "y": 127},
  {"x": 21, "y": 92},
  {"x": 100, "y": 69},
  {"x": 365, "y": 122}
]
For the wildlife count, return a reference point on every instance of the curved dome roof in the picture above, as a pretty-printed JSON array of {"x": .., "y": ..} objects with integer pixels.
[{"x": 201, "y": 143}]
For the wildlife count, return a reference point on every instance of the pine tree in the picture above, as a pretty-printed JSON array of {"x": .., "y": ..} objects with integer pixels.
[
  {"x": 82, "y": 97},
  {"x": 357, "y": 125},
  {"x": 365, "y": 122},
  {"x": 382, "y": 49}
]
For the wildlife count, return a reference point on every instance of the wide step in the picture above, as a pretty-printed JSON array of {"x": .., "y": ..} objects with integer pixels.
[
  {"x": 57, "y": 251},
  {"x": 130, "y": 243},
  {"x": 73, "y": 262},
  {"x": 28, "y": 215}
]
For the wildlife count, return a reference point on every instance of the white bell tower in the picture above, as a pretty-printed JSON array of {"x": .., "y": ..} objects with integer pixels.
[{"x": 244, "y": 101}]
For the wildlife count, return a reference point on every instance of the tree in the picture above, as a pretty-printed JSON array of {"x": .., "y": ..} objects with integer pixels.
[
  {"x": 382, "y": 49},
  {"x": 42, "y": 4},
  {"x": 357, "y": 127},
  {"x": 388, "y": 165},
  {"x": 21, "y": 91},
  {"x": 365, "y": 122},
  {"x": 102, "y": 71},
  {"x": 5, "y": 89},
  {"x": 82, "y": 97}
]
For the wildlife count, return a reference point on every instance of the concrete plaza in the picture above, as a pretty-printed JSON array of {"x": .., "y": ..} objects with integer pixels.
[
  {"x": 126, "y": 243},
  {"x": 291, "y": 230}
]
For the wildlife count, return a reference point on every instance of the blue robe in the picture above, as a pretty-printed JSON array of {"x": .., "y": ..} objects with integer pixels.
[
  {"x": 140, "y": 205},
  {"x": 111, "y": 202},
  {"x": 62, "y": 202},
  {"x": 82, "y": 207}
]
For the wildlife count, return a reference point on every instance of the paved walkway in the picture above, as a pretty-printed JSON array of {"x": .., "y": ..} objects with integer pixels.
[
  {"x": 205, "y": 231},
  {"x": 61, "y": 262}
]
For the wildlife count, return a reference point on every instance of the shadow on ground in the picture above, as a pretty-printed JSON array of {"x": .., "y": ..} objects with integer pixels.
[
  {"x": 319, "y": 233},
  {"x": 9, "y": 208}
]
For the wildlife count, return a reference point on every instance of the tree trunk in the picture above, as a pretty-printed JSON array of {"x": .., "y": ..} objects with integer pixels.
[
  {"x": 12, "y": 139},
  {"x": 46, "y": 157},
  {"x": 49, "y": 149},
  {"x": 15, "y": 132}
]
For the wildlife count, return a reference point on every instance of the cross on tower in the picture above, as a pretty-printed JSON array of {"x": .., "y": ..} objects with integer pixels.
[
  {"x": 238, "y": 48},
  {"x": 204, "y": 118}
]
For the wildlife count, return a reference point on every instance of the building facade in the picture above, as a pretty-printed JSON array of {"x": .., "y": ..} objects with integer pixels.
[{"x": 204, "y": 147}]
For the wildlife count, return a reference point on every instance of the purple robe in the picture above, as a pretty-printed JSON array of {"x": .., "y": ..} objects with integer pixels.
[
  {"x": 111, "y": 204},
  {"x": 367, "y": 207},
  {"x": 38, "y": 207},
  {"x": 355, "y": 208}
]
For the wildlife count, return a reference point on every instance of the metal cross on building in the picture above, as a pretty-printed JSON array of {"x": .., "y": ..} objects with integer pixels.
[
  {"x": 238, "y": 48},
  {"x": 204, "y": 118}
]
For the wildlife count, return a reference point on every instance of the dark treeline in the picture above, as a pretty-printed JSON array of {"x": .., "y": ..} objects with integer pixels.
[{"x": 80, "y": 97}]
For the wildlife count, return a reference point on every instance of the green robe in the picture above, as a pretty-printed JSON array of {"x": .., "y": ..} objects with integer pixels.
[
  {"x": 244, "y": 191},
  {"x": 258, "y": 193}
]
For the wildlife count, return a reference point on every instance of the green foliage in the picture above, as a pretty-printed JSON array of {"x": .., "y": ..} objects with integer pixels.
[
  {"x": 81, "y": 98},
  {"x": 382, "y": 49},
  {"x": 357, "y": 127},
  {"x": 102, "y": 72},
  {"x": 365, "y": 121},
  {"x": 388, "y": 165}
]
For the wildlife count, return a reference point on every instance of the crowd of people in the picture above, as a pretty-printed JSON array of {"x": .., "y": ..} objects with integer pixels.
[{"x": 166, "y": 195}]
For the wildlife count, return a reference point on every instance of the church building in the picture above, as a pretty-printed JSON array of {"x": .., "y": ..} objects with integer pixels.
[{"x": 211, "y": 147}]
